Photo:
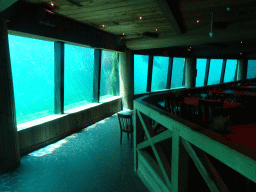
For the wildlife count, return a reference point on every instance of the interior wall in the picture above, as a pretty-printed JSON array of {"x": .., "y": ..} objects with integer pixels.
[{"x": 49, "y": 132}]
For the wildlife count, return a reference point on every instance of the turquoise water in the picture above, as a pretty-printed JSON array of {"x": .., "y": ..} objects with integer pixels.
[
  {"x": 140, "y": 73},
  {"x": 32, "y": 63},
  {"x": 251, "y": 70},
  {"x": 177, "y": 72},
  {"x": 200, "y": 67},
  {"x": 160, "y": 72},
  {"x": 230, "y": 70}
]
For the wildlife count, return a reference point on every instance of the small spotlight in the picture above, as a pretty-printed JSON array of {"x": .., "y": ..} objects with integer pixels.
[
  {"x": 241, "y": 41},
  {"x": 156, "y": 29},
  {"x": 52, "y": 4},
  {"x": 241, "y": 53},
  {"x": 140, "y": 18},
  {"x": 198, "y": 21},
  {"x": 123, "y": 33},
  {"x": 190, "y": 47},
  {"x": 103, "y": 26}
]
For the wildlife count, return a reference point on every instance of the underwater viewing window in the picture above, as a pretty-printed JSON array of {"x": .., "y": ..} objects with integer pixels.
[
  {"x": 200, "y": 67},
  {"x": 177, "y": 72},
  {"x": 78, "y": 76},
  {"x": 230, "y": 70},
  {"x": 215, "y": 71},
  {"x": 251, "y": 70},
  {"x": 140, "y": 73},
  {"x": 32, "y": 63},
  {"x": 160, "y": 72},
  {"x": 109, "y": 76}
]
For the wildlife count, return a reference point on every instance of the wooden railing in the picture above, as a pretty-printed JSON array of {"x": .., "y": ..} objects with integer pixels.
[{"x": 182, "y": 131}]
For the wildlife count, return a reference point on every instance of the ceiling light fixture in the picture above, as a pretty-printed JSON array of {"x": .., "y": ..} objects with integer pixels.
[
  {"x": 140, "y": 18},
  {"x": 241, "y": 53},
  {"x": 123, "y": 33},
  {"x": 211, "y": 33},
  {"x": 198, "y": 21},
  {"x": 156, "y": 29},
  {"x": 241, "y": 41}
]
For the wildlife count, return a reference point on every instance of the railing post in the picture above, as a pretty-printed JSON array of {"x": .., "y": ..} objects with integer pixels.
[
  {"x": 138, "y": 137},
  {"x": 175, "y": 160}
]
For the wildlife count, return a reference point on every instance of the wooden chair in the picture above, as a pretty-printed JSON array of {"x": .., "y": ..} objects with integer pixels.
[{"x": 125, "y": 122}]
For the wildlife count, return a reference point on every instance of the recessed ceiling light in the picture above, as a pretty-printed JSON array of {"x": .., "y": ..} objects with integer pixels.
[
  {"x": 156, "y": 29},
  {"x": 140, "y": 18},
  {"x": 197, "y": 21},
  {"x": 241, "y": 41}
]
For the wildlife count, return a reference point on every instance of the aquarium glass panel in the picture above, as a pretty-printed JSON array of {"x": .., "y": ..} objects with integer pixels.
[
  {"x": 215, "y": 71},
  {"x": 200, "y": 67},
  {"x": 32, "y": 63},
  {"x": 160, "y": 72},
  {"x": 109, "y": 77},
  {"x": 78, "y": 76},
  {"x": 177, "y": 72},
  {"x": 230, "y": 70},
  {"x": 251, "y": 70},
  {"x": 140, "y": 73}
]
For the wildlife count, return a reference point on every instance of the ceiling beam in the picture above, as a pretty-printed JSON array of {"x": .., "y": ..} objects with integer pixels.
[
  {"x": 171, "y": 11},
  {"x": 198, "y": 36},
  {"x": 4, "y": 4},
  {"x": 31, "y": 18}
]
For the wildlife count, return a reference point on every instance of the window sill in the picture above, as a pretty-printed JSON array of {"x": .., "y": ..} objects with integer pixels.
[
  {"x": 110, "y": 99},
  {"x": 78, "y": 109},
  {"x": 56, "y": 116},
  {"x": 38, "y": 121}
]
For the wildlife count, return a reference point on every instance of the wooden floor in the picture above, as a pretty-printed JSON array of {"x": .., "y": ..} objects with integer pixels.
[{"x": 91, "y": 160}]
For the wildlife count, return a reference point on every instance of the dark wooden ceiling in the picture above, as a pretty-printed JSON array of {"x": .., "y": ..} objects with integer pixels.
[{"x": 185, "y": 23}]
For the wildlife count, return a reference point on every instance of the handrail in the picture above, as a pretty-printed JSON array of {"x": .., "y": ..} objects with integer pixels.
[{"x": 241, "y": 160}]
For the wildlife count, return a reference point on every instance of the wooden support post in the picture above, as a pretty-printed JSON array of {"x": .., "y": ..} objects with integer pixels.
[
  {"x": 9, "y": 143},
  {"x": 242, "y": 65},
  {"x": 96, "y": 75},
  {"x": 150, "y": 70},
  {"x": 207, "y": 72},
  {"x": 127, "y": 78},
  {"x": 190, "y": 72},
  {"x": 59, "y": 77},
  {"x": 169, "y": 78},
  {"x": 223, "y": 71}
]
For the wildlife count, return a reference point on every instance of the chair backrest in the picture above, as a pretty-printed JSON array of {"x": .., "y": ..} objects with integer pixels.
[{"x": 124, "y": 120}]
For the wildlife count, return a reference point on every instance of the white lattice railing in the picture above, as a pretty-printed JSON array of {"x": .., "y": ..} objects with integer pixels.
[{"x": 183, "y": 131}]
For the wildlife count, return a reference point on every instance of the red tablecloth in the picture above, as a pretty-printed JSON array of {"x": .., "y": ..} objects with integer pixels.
[{"x": 191, "y": 100}]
